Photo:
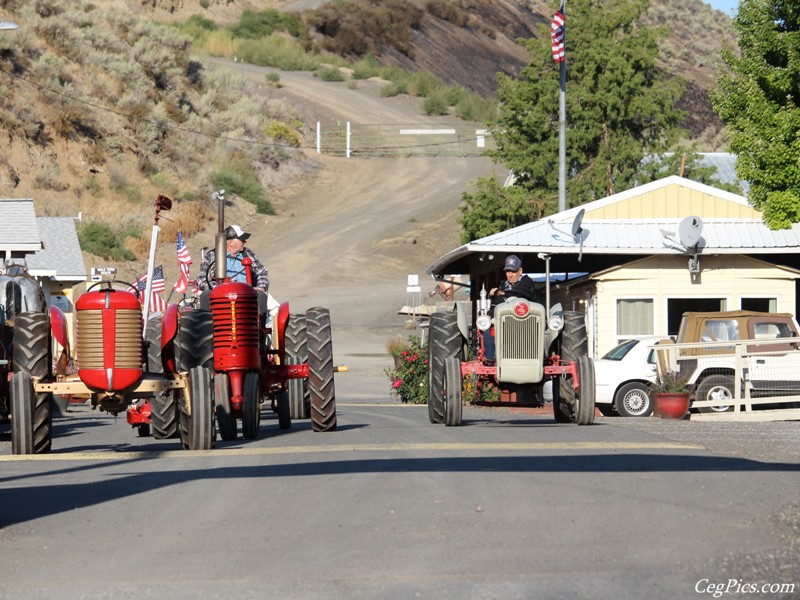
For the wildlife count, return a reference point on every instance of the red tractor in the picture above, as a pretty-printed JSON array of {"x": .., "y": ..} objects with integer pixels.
[
  {"x": 111, "y": 359},
  {"x": 255, "y": 360}
]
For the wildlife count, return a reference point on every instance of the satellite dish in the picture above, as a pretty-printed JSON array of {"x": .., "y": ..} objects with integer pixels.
[
  {"x": 576, "y": 224},
  {"x": 689, "y": 231}
]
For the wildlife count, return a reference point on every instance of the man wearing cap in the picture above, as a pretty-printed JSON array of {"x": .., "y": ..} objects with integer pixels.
[
  {"x": 516, "y": 285},
  {"x": 236, "y": 251}
]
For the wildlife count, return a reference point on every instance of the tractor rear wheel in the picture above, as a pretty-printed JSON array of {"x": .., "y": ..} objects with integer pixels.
[
  {"x": 194, "y": 344},
  {"x": 152, "y": 337},
  {"x": 30, "y": 352},
  {"x": 574, "y": 344},
  {"x": 444, "y": 342},
  {"x": 562, "y": 412},
  {"x": 284, "y": 413},
  {"x": 199, "y": 432},
  {"x": 251, "y": 405},
  {"x": 226, "y": 420},
  {"x": 453, "y": 382},
  {"x": 584, "y": 411},
  {"x": 320, "y": 369},
  {"x": 296, "y": 342}
]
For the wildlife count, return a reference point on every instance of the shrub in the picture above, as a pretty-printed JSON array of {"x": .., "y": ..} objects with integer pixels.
[
  {"x": 329, "y": 74},
  {"x": 367, "y": 67},
  {"x": 423, "y": 84},
  {"x": 255, "y": 25},
  {"x": 282, "y": 132},
  {"x": 273, "y": 79},
  {"x": 435, "y": 105},
  {"x": 409, "y": 377},
  {"x": 239, "y": 177},
  {"x": 277, "y": 51},
  {"x": 99, "y": 239}
]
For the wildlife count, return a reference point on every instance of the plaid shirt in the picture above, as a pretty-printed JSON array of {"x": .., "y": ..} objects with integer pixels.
[{"x": 259, "y": 271}]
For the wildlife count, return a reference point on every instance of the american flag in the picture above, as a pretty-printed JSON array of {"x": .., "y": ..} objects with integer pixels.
[
  {"x": 157, "y": 302},
  {"x": 557, "y": 35},
  {"x": 184, "y": 260}
]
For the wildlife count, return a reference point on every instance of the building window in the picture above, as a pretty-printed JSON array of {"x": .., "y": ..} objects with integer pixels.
[
  {"x": 635, "y": 317},
  {"x": 769, "y": 305}
]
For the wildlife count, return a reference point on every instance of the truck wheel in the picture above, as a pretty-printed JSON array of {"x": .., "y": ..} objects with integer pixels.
[
  {"x": 251, "y": 405},
  {"x": 200, "y": 433},
  {"x": 296, "y": 342},
  {"x": 716, "y": 387},
  {"x": 299, "y": 397},
  {"x": 30, "y": 353},
  {"x": 452, "y": 390},
  {"x": 584, "y": 411},
  {"x": 164, "y": 416},
  {"x": 194, "y": 344},
  {"x": 284, "y": 412},
  {"x": 574, "y": 344},
  {"x": 320, "y": 369},
  {"x": 444, "y": 341},
  {"x": 226, "y": 420},
  {"x": 633, "y": 400}
]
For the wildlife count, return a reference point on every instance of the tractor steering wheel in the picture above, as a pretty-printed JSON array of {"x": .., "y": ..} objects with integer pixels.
[
  {"x": 213, "y": 281},
  {"x": 109, "y": 285}
]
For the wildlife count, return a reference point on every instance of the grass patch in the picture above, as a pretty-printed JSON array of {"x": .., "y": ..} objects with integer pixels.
[
  {"x": 100, "y": 239},
  {"x": 239, "y": 177},
  {"x": 329, "y": 74}
]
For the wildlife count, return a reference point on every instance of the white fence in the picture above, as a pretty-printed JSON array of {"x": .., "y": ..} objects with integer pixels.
[
  {"x": 755, "y": 380},
  {"x": 348, "y": 139}
]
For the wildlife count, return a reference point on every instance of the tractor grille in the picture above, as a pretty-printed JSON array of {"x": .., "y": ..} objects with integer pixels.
[
  {"x": 235, "y": 322},
  {"x": 520, "y": 339},
  {"x": 127, "y": 339}
]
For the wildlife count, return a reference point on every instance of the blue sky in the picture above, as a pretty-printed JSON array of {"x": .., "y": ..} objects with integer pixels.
[{"x": 726, "y": 6}]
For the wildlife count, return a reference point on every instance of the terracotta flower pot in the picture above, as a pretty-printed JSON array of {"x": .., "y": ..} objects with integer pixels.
[{"x": 671, "y": 405}]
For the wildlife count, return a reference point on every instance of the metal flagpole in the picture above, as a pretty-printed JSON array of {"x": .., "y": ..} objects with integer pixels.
[{"x": 562, "y": 122}]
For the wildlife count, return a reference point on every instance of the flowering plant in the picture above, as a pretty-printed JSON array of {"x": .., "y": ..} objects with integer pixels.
[{"x": 409, "y": 377}]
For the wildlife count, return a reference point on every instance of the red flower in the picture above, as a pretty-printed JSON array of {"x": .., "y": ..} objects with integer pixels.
[{"x": 397, "y": 383}]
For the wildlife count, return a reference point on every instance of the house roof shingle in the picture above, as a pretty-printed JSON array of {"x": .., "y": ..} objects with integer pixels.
[
  {"x": 18, "y": 228},
  {"x": 61, "y": 257}
]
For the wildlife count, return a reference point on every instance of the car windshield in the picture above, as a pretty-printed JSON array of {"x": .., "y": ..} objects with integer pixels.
[{"x": 619, "y": 352}]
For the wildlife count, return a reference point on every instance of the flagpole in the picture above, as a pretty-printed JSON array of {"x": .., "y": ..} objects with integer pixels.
[{"x": 562, "y": 124}]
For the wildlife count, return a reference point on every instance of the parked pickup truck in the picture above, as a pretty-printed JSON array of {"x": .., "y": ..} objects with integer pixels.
[{"x": 711, "y": 370}]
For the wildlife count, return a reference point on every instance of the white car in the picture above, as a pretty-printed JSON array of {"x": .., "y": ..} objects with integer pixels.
[{"x": 623, "y": 377}]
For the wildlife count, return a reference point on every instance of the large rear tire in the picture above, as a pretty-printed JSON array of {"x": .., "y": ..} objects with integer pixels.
[
  {"x": 320, "y": 369},
  {"x": 453, "y": 382},
  {"x": 226, "y": 420},
  {"x": 584, "y": 410},
  {"x": 444, "y": 341},
  {"x": 198, "y": 412},
  {"x": 251, "y": 405},
  {"x": 30, "y": 353},
  {"x": 152, "y": 336},
  {"x": 296, "y": 342},
  {"x": 562, "y": 412},
  {"x": 194, "y": 343}
]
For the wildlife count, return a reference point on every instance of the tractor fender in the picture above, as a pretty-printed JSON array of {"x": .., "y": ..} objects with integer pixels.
[
  {"x": 169, "y": 325},
  {"x": 280, "y": 330},
  {"x": 58, "y": 325}
]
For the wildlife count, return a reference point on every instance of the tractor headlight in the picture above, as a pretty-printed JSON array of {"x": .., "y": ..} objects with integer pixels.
[
  {"x": 483, "y": 322},
  {"x": 556, "y": 322}
]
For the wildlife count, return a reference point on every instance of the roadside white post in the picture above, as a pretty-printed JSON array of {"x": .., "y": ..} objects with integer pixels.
[
  {"x": 348, "y": 139},
  {"x": 319, "y": 140}
]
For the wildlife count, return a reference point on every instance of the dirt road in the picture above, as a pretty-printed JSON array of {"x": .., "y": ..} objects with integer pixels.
[{"x": 348, "y": 233}]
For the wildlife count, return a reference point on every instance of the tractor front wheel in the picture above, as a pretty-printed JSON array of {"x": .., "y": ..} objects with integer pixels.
[
  {"x": 251, "y": 405},
  {"x": 584, "y": 411},
  {"x": 444, "y": 342},
  {"x": 320, "y": 369},
  {"x": 30, "y": 353},
  {"x": 199, "y": 432},
  {"x": 226, "y": 420},
  {"x": 284, "y": 412},
  {"x": 452, "y": 390}
]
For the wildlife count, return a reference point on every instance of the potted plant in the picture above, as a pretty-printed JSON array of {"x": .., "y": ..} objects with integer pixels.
[{"x": 670, "y": 395}]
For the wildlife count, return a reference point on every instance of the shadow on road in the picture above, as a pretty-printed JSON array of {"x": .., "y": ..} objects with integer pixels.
[{"x": 24, "y": 503}]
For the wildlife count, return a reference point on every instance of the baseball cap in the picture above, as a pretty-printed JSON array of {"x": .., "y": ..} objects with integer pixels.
[
  {"x": 234, "y": 232},
  {"x": 513, "y": 263}
]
